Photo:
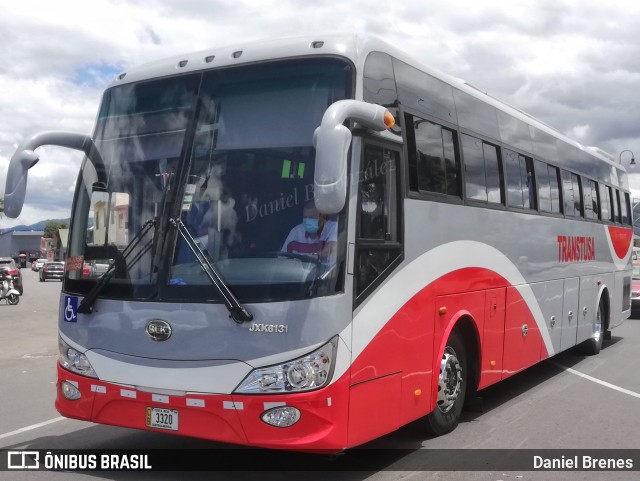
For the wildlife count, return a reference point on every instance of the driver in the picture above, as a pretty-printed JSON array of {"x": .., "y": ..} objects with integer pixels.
[{"x": 315, "y": 236}]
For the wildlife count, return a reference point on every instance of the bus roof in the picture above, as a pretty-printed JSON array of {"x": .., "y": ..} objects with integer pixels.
[{"x": 354, "y": 47}]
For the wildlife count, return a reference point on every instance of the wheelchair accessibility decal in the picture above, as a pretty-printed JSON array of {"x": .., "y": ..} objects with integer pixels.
[{"x": 70, "y": 309}]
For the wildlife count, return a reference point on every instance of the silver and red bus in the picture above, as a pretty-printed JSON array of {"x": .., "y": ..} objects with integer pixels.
[{"x": 460, "y": 241}]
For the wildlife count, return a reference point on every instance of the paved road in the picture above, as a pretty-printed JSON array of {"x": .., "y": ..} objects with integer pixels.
[{"x": 551, "y": 405}]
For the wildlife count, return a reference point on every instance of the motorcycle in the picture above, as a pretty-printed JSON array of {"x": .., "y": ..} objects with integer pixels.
[{"x": 8, "y": 292}]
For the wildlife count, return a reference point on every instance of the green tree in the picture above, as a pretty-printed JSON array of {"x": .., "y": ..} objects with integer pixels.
[{"x": 51, "y": 230}]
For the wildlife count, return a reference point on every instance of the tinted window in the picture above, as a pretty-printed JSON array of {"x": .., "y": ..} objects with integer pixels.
[
  {"x": 590, "y": 199},
  {"x": 519, "y": 172},
  {"x": 577, "y": 197},
  {"x": 544, "y": 193},
  {"x": 492, "y": 168},
  {"x": 568, "y": 194},
  {"x": 482, "y": 168},
  {"x": 476, "y": 182},
  {"x": 627, "y": 204},
  {"x": 434, "y": 165},
  {"x": 572, "y": 195},
  {"x": 548, "y": 177},
  {"x": 554, "y": 189},
  {"x": 624, "y": 208},
  {"x": 586, "y": 200},
  {"x": 605, "y": 213},
  {"x": 615, "y": 202}
]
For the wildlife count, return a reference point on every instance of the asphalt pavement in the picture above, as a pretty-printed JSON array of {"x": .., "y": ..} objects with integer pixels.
[{"x": 568, "y": 402}]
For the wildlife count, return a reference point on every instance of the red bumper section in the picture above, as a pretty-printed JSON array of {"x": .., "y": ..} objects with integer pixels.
[{"x": 225, "y": 418}]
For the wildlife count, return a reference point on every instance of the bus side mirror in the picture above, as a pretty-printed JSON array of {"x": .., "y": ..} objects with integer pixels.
[
  {"x": 16, "y": 185},
  {"x": 332, "y": 140},
  {"x": 330, "y": 178},
  {"x": 24, "y": 158}
]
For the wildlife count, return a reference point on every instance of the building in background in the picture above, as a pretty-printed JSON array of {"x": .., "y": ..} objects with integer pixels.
[{"x": 16, "y": 242}]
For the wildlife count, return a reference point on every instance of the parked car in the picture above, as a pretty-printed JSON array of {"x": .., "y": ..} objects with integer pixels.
[
  {"x": 52, "y": 270},
  {"x": 635, "y": 293},
  {"x": 8, "y": 265},
  {"x": 37, "y": 265}
]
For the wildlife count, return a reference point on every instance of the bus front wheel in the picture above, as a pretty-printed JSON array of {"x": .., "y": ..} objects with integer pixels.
[
  {"x": 592, "y": 346},
  {"x": 452, "y": 386}
]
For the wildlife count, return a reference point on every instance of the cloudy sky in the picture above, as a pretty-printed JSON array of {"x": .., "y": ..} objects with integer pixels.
[{"x": 573, "y": 64}]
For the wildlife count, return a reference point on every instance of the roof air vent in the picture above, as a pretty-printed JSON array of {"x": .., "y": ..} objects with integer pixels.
[
  {"x": 317, "y": 44},
  {"x": 183, "y": 63},
  {"x": 236, "y": 54},
  {"x": 209, "y": 59},
  {"x": 122, "y": 75}
]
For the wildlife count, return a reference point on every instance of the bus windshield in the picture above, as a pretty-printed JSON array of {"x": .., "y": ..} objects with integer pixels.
[{"x": 227, "y": 153}]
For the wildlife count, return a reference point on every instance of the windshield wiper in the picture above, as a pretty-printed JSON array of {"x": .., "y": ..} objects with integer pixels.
[
  {"x": 236, "y": 310},
  {"x": 86, "y": 305}
]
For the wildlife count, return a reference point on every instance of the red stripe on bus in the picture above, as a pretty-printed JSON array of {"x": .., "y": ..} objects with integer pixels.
[
  {"x": 621, "y": 238},
  {"x": 408, "y": 348}
]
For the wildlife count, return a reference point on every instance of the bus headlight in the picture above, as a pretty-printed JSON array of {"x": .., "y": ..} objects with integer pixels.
[
  {"x": 305, "y": 373},
  {"x": 74, "y": 360}
]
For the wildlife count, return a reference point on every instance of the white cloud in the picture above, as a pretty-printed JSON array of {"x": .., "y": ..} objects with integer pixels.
[{"x": 573, "y": 64}]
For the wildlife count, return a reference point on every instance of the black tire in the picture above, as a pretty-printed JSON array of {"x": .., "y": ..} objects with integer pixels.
[
  {"x": 593, "y": 345},
  {"x": 13, "y": 299},
  {"x": 454, "y": 364}
]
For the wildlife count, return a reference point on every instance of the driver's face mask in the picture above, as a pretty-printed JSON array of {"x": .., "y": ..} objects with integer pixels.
[{"x": 311, "y": 225}]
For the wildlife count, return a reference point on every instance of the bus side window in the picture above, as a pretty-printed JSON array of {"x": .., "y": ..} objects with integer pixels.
[
  {"x": 615, "y": 202},
  {"x": 627, "y": 199},
  {"x": 379, "y": 241},
  {"x": 570, "y": 194},
  {"x": 554, "y": 188},
  {"x": 483, "y": 170},
  {"x": 434, "y": 164},
  {"x": 544, "y": 192},
  {"x": 520, "y": 185},
  {"x": 591, "y": 205},
  {"x": 624, "y": 208},
  {"x": 577, "y": 195},
  {"x": 605, "y": 213}
]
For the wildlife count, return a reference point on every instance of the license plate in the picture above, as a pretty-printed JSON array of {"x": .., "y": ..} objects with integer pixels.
[{"x": 162, "y": 418}]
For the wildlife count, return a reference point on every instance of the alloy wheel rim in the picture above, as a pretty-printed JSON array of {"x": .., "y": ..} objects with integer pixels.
[{"x": 449, "y": 381}]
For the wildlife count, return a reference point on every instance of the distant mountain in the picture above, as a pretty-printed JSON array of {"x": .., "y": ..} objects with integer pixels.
[{"x": 37, "y": 226}]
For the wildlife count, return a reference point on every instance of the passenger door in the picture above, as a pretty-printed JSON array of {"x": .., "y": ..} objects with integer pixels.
[{"x": 379, "y": 247}]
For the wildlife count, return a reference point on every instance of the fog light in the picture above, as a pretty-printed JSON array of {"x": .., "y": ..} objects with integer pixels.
[
  {"x": 281, "y": 417},
  {"x": 69, "y": 391}
]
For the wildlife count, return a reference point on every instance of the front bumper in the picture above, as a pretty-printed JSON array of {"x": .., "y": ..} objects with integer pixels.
[{"x": 226, "y": 418}]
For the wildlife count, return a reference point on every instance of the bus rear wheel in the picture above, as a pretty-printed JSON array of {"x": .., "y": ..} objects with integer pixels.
[{"x": 452, "y": 387}]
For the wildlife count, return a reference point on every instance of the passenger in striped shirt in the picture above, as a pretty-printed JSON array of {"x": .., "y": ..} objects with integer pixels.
[{"x": 315, "y": 236}]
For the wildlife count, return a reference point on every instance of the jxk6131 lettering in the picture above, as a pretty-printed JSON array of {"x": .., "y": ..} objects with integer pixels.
[{"x": 443, "y": 242}]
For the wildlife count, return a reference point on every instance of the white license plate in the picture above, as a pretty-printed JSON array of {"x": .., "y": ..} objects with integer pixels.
[{"x": 162, "y": 418}]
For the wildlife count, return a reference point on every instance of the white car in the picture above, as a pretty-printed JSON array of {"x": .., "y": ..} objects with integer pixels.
[{"x": 37, "y": 265}]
